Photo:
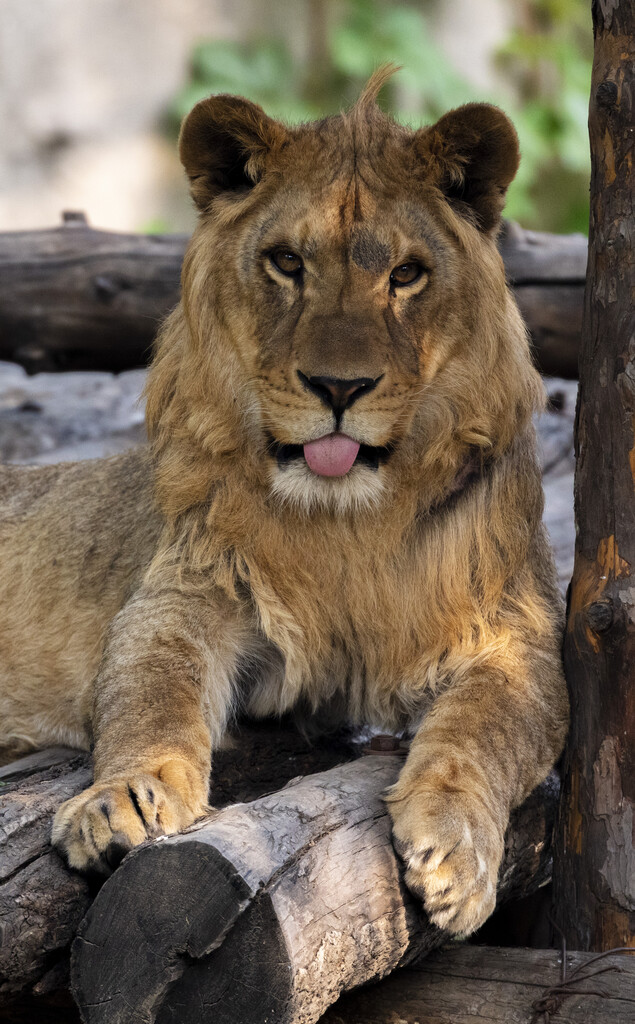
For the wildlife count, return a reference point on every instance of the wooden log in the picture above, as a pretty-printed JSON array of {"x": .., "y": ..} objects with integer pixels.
[
  {"x": 268, "y": 911},
  {"x": 42, "y": 903},
  {"x": 73, "y": 297},
  {"x": 595, "y": 877},
  {"x": 547, "y": 274},
  {"x": 76, "y": 298},
  {"x": 464, "y": 984}
]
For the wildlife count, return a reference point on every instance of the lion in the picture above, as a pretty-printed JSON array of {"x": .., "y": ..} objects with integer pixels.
[{"x": 339, "y": 510}]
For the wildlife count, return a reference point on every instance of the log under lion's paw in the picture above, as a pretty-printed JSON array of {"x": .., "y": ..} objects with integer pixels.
[
  {"x": 96, "y": 829},
  {"x": 452, "y": 849}
]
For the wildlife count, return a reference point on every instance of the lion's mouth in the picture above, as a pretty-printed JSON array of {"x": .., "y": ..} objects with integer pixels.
[{"x": 331, "y": 456}]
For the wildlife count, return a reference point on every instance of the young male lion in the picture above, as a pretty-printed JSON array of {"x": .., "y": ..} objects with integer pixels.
[{"x": 340, "y": 508}]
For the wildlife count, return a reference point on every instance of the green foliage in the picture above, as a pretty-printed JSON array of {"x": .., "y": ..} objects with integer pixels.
[
  {"x": 545, "y": 72},
  {"x": 374, "y": 33},
  {"x": 549, "y": 66},
  {"x": 155, "y": 226},
  {"x": 263, "y": 71}
]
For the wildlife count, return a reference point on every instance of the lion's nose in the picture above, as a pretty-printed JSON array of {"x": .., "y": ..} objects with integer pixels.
[{"x": 337, "y": 393}]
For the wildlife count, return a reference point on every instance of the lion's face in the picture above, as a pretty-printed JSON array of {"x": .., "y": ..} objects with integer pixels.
[
  {"x": 350, "y": 264},
  {"x": 342, "y": 293}
]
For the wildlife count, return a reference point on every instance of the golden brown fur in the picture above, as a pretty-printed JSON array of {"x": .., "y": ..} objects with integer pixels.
[{"x": 414, "y": 591}]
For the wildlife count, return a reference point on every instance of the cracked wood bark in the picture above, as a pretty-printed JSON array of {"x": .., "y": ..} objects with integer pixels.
[
  {"x": 595, "y": 874},
  {"x": 267, "y": 911},
  {"x": 42, "y": 903},
  {"x": 76, "y": 298},
  {"x": 489, "y": 985}
]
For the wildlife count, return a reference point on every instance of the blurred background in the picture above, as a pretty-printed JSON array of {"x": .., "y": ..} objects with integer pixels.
[{"x": 92, "y": 91}]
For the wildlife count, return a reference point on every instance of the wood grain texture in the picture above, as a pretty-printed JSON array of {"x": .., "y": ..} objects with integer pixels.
[
  {"x": 547, "y": 274},
  {"x": 42, "y": 903},
  {"x": 268, "y": 911},
  {"x": 488, "y": 985},
  {"x": 73, "y": 297},
  {"x": 595, "y": 875}
]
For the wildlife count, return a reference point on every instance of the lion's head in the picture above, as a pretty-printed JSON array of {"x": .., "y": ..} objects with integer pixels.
[{"x": 345, "y": 331}]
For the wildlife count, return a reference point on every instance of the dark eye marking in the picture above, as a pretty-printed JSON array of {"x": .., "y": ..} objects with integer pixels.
[
  {"x": 406, "y": 273},
  {"x": 368, "y": 253},
  {"x": 287, "y": 262}
]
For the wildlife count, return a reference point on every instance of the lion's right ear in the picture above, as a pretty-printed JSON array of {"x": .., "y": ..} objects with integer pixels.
[{"x": 223, "y": 145}]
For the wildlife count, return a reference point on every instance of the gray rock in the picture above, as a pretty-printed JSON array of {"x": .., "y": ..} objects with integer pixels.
[
  {"x": 62, "y": 417},
  {"x": 555, "y": 445}
]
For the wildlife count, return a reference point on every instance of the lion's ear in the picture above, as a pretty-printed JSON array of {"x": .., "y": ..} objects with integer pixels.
[
  {"x": 223, "y": 144},
  {"x": 473, "y": 155}
]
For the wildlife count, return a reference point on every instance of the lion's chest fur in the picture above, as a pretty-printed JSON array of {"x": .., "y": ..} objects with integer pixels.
[{"x": 348, "y": 619}]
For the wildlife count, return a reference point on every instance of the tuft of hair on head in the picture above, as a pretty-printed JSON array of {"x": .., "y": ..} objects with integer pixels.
[{"x": 367, "y": 101}]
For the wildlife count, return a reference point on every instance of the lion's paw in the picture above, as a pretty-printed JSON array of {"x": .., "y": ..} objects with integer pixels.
[
  {"x": 96, "y": 829},
  {"x": 452, "y": 851}
]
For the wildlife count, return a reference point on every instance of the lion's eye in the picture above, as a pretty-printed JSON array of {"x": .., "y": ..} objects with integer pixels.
[
  {"x": 406, "y": 273},
  {"x": 287, "y": 262}
]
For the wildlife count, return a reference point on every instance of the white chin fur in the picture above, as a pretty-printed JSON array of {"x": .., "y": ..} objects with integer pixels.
[{"x": 360, "y": 489}]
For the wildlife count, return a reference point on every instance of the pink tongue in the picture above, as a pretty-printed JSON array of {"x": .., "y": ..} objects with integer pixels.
[{"x": 332, "y": 455}]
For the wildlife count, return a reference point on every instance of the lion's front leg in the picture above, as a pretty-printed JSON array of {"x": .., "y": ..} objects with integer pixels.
[
  {"x": 486, "y": 744},
  {"x": 161, "y": 701}
]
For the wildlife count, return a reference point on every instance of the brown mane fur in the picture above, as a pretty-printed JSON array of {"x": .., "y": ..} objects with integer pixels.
[{"x": 224, "y": 525}]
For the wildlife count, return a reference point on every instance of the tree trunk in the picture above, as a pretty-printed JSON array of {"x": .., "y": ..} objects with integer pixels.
[
  {"x": 268, "y": 911},
  {"x": 73, "y": 298},
  {"x": 595, "y": 873}
]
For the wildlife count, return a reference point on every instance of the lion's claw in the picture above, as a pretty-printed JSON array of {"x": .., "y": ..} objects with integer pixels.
[{"x": 96, "y": 829}]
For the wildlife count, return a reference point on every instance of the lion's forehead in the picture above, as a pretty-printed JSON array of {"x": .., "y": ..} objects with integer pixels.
[{"x": 370, "y": 230}]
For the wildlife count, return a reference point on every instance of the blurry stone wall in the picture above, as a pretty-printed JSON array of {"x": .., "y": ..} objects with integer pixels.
[{"x": 83, "y": 84}]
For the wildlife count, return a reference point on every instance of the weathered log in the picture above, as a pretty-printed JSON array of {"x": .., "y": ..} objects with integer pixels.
[
  {"x": 268, "y": 911},
  {"x": 547, "y": 275},
  {"x": 42, "y": 903},
  {"x": 464, "y": 984},
  {"x": 595, "y": 877},
  {"x": 76, "y": 298}
]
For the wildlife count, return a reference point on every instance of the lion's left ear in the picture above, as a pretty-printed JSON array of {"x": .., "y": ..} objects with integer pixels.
[
  {"x": 473, "y": 155},
  {"x": 223, "y": 144}
]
